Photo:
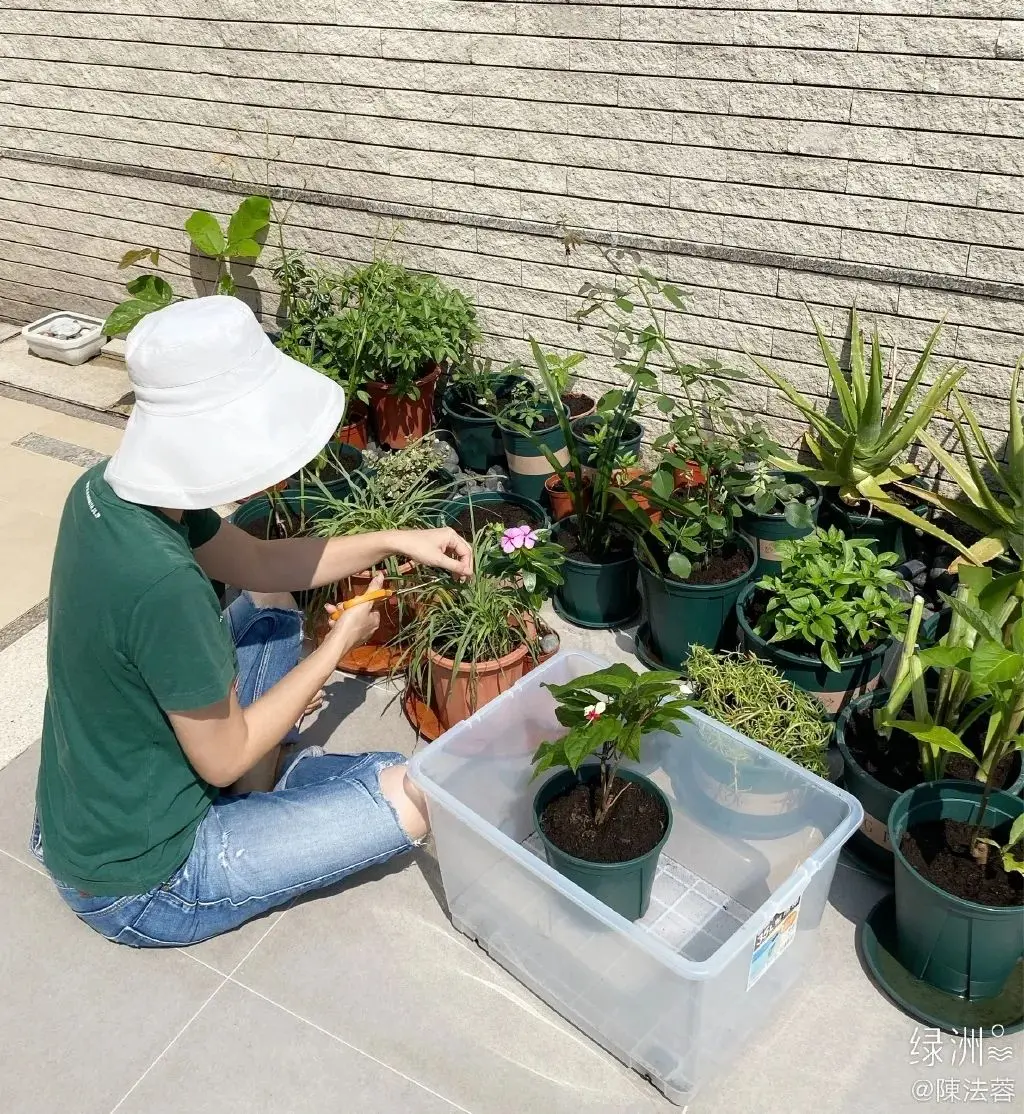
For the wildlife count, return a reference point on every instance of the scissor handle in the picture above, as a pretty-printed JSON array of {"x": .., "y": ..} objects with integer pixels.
[{"x": 366, "y": 597}]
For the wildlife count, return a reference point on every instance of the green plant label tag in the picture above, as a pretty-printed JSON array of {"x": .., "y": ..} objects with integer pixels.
[{"x": 772, "y": 941}]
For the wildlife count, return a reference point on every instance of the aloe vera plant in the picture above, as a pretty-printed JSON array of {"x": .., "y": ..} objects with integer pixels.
[
  {"x": 996, "y": 510},
  {"x": 860, "y": 452}
]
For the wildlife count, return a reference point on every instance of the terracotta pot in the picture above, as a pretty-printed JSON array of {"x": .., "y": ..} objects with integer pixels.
[
  {"x": 690, "y": 476},
  {"x": 634, "y": 474},
  {"x": 388, "y": 609},
  {"x": 399, "y": 419},
  {"x": 457, "y": 695},
  {"x": 559, "y": 499},
  {"x": 355, "y": 430}
]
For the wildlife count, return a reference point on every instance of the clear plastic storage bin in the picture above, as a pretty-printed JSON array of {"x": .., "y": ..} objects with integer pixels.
[{"x": 739, "y": 893}]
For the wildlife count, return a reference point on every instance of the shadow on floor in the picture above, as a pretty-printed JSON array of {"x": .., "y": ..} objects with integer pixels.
[
  {"x": 854, "y": 894},
  {"x": 343, "y": 697}
]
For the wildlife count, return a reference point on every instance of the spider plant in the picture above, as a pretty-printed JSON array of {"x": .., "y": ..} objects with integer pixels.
[
  {"x": 860, "y": 452},
  {"x": 468, "y": 622},
  {"x": 996, "y": 510}
]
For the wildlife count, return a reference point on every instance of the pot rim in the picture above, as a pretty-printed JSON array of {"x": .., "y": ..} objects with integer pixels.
[
  {"x": 352, "y": 416},
  {"x": 491, "y": 665},
  {"x": 384, "y": 388},
  {"x": 802, "y": 660},
  {"x": 634, "y": 774},
  {"x": 700, "y": 589},
  {"x": 523, "y": 501},
  {"x": 806, "y": 482},
  {"x": 904, "y": 801}
]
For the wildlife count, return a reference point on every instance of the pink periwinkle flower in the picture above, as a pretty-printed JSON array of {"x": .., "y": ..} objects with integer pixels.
[{"x": 518, "y": 537}]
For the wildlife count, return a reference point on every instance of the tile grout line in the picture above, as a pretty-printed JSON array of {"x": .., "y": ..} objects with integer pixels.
[
  {"x": 354, "y": 1048},
  {"x": 177, "y": 1036},
  {"x": 21, "y": 862}
]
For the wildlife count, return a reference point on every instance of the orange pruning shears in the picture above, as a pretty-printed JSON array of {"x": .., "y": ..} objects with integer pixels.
[{"x": 377, "y": 594}]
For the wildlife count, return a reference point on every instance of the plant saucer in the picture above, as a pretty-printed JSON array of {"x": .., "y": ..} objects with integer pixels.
[
  {"x": 644, "y": 649},
  {"x": 878, "y": 948},
  {"x": 371, "y": 661},
  {"x": 562, "y": 613},
  {"x": 421, "y": 716}
]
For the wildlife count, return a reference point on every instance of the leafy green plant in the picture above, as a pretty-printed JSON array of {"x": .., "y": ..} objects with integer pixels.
[
  {"x": 995, "y": 509},
  {"x": 753, "y": 698},
  {"x": 768, "y": 492},
  {"x": 240, "y": 241},
  {"x": 468, "y": 622},
  {"x": 525, "y": 408},
  {"x": 563, "y": 370},
  {"x": 976, "y": 671},
  {"x": 607, "y": 714},
  {"x": 397, "y": 323},
  {"x": 832, "y": 594},
  {"x": 479, "y": 389},
  {"x": 396, "y": 473},
  {"x": 861, "y": 451},
  {"x": 525, "y": 556}
]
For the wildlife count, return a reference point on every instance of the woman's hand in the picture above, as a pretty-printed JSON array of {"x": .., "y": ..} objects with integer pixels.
[
  {"x": 355, "y": 625},
  {"x": 441, "y": 549}
]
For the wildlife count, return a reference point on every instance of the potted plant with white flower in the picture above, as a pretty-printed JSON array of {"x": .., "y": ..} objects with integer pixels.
[{"x": 602, "y": 824}]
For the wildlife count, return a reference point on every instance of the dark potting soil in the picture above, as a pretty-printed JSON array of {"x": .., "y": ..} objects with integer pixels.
[
  {"x": 483, "y": 514},
  {"x": 730, "y": 562},
  {"x": 578, "y": 404},
  {"x": 631, "y": 829},
  {"x": 755, "y": 608},
  {"x": 569, "y": 538},
  {"x": 894, "y": 761},
  {"x": 940, "y": 850}
]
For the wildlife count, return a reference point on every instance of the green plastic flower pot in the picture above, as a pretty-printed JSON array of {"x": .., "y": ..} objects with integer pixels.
[
  {"x": 624, "y": 887},
  {"x": 767, "y": 530},
  {"x": 632, "y": 438},
  {"x": 349, "y": 458},
  {"x": 534, "y": 513},
  {"x": 835, "y": 690},
  {"x": 870, "y": 843},
  {"x": 528, "y": 467},
  {"x": 478, "y": 440},
  {"x": 301, "y": 506},
  {"x": 683, "y": 615},
  {"x": 597, "y": 595},
  {"x": 959, "y": 946}
]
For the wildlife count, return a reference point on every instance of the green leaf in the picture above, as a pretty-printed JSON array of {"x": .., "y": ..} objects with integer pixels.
[
  {"x": 204, "y": 231},
  {"x": 1016, "y": 831},
  {"x": 126, "y": 316},
  {"x": 665, "y": 404},
  {"x": 679, "y": 565},
  {"x": 945, "y": 657},
  {"x": 674, "y": 296},
  {"x": 624, "y": 304},
  {"x": 226, "y": 284},
  {"x": 828, "y": 656},
  {"x": 136, "y": 255},
  {"x": 982, "y": 623},
  {"x": 250, "y": 218},
  {"x": 152, "y": 289},
  {"x": 663, "y": 483},
  {"x": 936, "y": 736},
  {"x": 798, "y": 515},
  {"x": 244, "y": 249},
  {"x": 992, "y": 664}
]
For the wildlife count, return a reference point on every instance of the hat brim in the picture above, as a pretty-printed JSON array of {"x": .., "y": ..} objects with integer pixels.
[{"x": 190, "y": 461}]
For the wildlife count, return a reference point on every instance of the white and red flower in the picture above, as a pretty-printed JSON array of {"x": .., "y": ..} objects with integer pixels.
[{"x": 594, "y": 711}]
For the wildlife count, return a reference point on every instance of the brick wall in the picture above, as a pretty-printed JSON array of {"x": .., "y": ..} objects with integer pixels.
[{"x": 761, "y": 154}]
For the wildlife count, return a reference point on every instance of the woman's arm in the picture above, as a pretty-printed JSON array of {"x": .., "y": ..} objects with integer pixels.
[
  {"x": 224, "y": 740},
  {"x": 293, "y": 564}
]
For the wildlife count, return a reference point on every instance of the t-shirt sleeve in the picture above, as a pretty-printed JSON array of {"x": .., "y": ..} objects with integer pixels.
[
  {"x": 180, "y": 644},
  {"x": 201, "y": 526}
]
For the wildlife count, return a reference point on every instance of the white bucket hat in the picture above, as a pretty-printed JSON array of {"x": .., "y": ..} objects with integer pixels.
[{"x": 220, "y": 413}]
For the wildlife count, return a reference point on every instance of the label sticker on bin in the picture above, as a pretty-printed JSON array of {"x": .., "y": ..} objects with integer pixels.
[{"x": 772, "y": 941}]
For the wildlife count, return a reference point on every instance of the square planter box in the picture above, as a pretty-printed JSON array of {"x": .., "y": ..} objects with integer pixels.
[
  {"x": 737, "y": 900},
  {"x": 67, "y": 349}
]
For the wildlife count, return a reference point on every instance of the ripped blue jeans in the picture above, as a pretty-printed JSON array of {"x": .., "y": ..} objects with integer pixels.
[{"x": 325, "y": 819}]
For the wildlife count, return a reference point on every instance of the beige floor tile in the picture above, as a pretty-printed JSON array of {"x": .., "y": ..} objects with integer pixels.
[
  {"x": 34, "y": 482},
  {"x": 25, "y": 557},
  {"x": 78, "y": 431},
  {"x": 17, "y": 419}
]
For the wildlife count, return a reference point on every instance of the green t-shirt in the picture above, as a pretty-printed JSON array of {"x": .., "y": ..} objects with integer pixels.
[{"x": 136, "y": 631}]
